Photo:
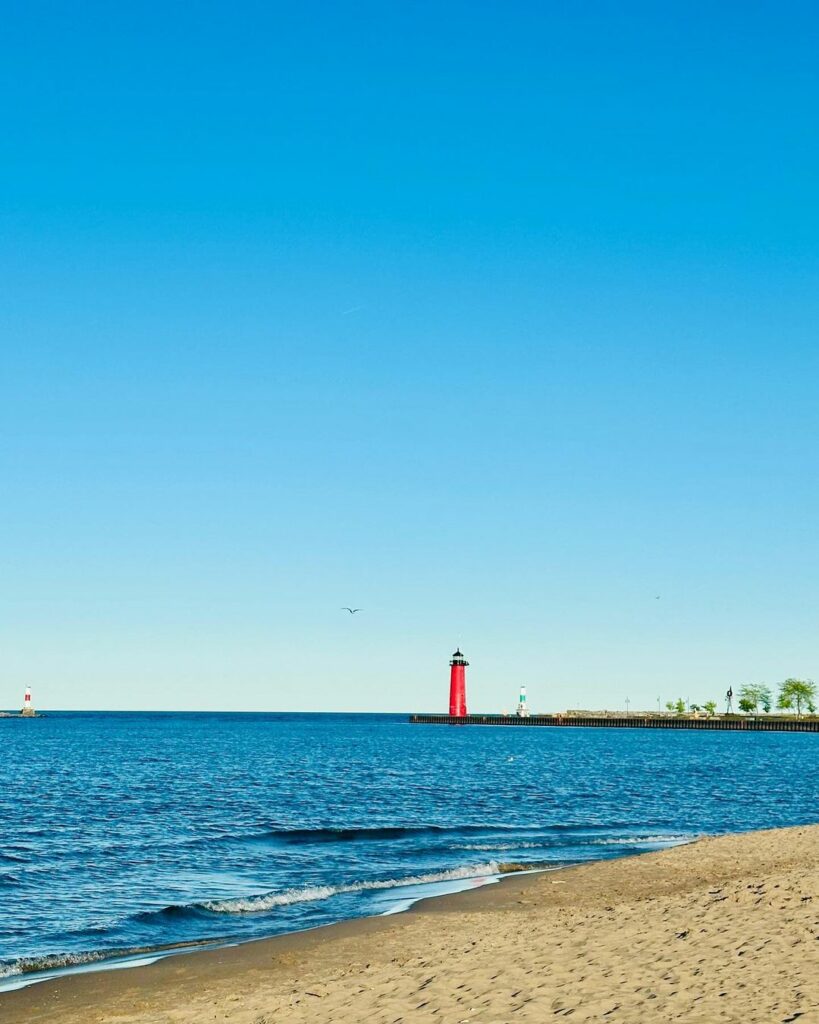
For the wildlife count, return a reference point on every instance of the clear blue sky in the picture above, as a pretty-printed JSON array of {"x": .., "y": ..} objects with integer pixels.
[{"x": 497, "y": 320}]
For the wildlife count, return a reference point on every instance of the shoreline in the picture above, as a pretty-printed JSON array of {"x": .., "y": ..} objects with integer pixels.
[
  {"x": 128, "y": 958},
  {"x": 538, "y": 934}
]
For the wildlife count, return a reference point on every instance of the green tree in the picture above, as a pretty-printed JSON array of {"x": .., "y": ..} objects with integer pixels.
[
  {"x": 694, "y": 707},
  {"x": 711, "y": 707},
  {"x": 679, "y": 707},
  {"x": 754, "y": 696},
  {"x": 670, "y": 705},
  {"x": 797, "y": 693}
]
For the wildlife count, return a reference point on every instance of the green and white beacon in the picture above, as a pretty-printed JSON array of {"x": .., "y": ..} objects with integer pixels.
[{"x": 523, "y": 707}]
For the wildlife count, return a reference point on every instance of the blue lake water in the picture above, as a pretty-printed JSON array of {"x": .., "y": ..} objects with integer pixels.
[{"x": 126, "y": 832}]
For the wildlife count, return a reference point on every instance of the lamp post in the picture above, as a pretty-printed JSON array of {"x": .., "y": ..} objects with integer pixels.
[{"x": 627, "y": 704}]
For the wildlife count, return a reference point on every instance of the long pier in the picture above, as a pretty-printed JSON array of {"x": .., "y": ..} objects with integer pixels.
[{"x": 722, "y": 723}]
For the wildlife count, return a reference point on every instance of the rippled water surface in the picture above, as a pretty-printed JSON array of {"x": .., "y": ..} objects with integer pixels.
[{"x": 120, "y": 832}]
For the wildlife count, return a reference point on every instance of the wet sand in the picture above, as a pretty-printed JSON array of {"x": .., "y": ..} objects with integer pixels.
[{"x": 724, "y": 929}]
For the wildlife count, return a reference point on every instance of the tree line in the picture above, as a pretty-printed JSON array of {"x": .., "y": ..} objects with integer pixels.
[{"x": 797, "y": 695}]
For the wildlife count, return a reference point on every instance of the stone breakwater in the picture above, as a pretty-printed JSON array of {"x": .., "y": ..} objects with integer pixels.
[{"x": 722, "y": 723}]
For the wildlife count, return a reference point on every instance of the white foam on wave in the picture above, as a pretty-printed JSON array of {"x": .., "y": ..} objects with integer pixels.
[
  {"x": 643, "y": 840},
  {"x": 500, "y": 846},
  {"x": 581, "y": 841},
  {"x": 33, "y": 970},
  {"x": 52, "y": 962},
  {"x": 308, "y": 894}
]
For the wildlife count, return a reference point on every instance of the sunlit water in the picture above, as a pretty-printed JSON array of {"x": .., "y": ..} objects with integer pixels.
[{"x": 129, "y": 832}]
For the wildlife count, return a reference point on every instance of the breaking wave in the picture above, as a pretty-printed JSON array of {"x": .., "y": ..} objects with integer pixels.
[
  {"x": 62, "y": 961},
  {"x": 299, "y": 836},
  {"x": 320, "y": 834},
  {"x": 308, "y": 894},
  {"x": 54, "y": 961},
  {"x": 488, "y": 847},
  {"x": 584, "y": 840},
  {"x": 643, "y": 840},
  {"x": 245, "y": 905}
]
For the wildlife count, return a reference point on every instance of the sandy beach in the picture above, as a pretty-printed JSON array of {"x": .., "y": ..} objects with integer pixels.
[{"x": 725, "y": 929}]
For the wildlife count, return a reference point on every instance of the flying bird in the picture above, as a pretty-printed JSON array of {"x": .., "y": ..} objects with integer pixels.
[{"x": 352, "y": 611}]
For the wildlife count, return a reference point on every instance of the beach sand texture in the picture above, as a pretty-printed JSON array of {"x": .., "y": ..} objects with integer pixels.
[{"x": 725, "y": 929}]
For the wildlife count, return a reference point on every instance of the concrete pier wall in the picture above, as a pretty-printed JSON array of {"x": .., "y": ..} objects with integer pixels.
[{"x": 769, "y": 724}]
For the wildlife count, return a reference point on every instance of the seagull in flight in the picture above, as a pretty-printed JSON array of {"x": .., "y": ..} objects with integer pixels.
[{"x": 352, "y": 611}]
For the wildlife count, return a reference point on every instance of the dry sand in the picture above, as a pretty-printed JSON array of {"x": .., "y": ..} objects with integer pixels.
[{"x": 725, "y": 929}]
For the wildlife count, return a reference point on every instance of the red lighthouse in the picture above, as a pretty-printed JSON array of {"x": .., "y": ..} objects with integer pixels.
[{"x": 457, "y": 685}]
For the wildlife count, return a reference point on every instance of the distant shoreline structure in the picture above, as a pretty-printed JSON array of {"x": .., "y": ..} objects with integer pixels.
[
  {"x": 645, "y": 720},
  {"x": 794, "y": 694},
  {"x": 27, "y": 710}
]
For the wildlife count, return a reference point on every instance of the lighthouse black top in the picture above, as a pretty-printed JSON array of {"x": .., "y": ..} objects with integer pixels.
[{"x": 458, "y": 658}]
